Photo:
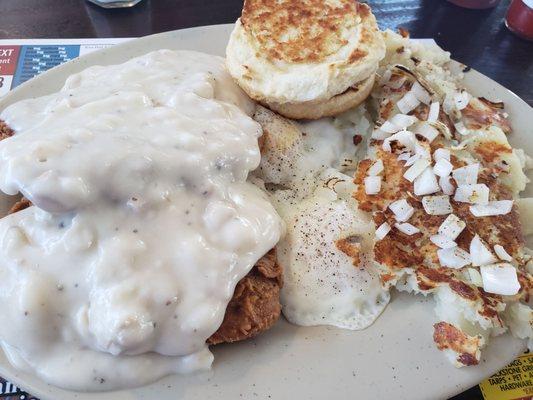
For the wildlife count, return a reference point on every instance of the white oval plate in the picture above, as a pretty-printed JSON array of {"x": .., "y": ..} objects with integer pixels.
[{"x": 394, "y": 358}]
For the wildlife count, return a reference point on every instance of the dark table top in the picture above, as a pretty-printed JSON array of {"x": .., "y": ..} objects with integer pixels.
[{"x": 477, "y": 38}]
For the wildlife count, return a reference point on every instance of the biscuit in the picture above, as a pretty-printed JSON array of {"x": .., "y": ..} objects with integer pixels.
[
  {"x": 326, "y": 108},
  {"x": 304, "y": 52}
]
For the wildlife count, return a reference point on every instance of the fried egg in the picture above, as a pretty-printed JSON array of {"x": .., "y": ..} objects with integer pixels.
[
  {"x": 301, "y": 168},
  {"x": 323, "y": 285}
]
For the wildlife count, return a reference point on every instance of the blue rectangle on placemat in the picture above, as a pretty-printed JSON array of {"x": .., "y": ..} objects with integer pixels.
[{"x": 36, "y": 59}]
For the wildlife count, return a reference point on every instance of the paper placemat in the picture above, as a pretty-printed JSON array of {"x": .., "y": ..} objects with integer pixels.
[{"x": 21, "y": 60}]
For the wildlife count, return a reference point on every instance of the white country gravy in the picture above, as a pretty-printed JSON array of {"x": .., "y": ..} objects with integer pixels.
[{"x": 143, "y": 221}]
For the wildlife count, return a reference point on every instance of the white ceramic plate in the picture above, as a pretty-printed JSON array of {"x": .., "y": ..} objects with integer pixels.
[{"x": 394, "y": 358}]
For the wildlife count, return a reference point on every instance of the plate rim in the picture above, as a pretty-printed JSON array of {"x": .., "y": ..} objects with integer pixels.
[{"x": 19, "y": 93}]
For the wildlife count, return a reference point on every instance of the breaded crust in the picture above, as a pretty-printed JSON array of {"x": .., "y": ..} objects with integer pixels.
[
  {"x": 5, "y": 131},
  {"x": 326, "y": 108},
  {"x": 255, "y": 305}
]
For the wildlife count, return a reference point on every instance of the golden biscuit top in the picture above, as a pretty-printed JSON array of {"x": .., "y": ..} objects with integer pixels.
[{"x": 306, "y": 30}]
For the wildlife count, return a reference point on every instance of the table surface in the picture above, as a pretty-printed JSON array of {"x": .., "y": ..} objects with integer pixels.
[{"x": 477, "y": 38}]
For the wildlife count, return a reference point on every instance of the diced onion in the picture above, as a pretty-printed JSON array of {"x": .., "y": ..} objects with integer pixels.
[
  {"x": 382, "y": 231},
  {"x": 502, "y": 253},
  {"x": 446, "y": 185},
  {"x": 480, "y": 254},
  {"x": 442, "y": 241},
  {"x": 416, "y": 169},
  {"x": 452, "y": 226},
  {"x": 500, "y": 207},
  {"x": 420, "y": 93},
  {"x": 422, "y": 149},
  {"x": 397, "y": 83},
  {"x": 378, "y": 134},
  {"x": 448, "y": 105},
  {"x": 389, "y": 127},
  {"x": 403, "y": 121},
  {"x": 474, "y": 194},
  {"x": 404, "y": 156},
  {"x": 437, "y": 205},
  {"x": 385, "y": 77},
  {"x": 461, "y": 100},
  {"x": 475, "y": 277},
  {"x": 461, "y": 128},
  {"x": 426, "y": 130},
  {"x": 443, "y": 128},
  {"x": 402, "y": 210},
  {"x": 407, "y": 103},
  {"x": 500, "y": 279},
  {"x": 442, "y": 167},
  {"x": 461, "y": 146},
  {"x": 426, "y": 183},
  {"x": 433, "y": 114},
  {"x": 406, "y": 228},
  {"x": 372, "y": 184},
  {"x": 411, "y": 160},
  {"x": 466, "y": 175},
  {"x": 405, "y": 138},
  {"x": 454, "y": 257},
  {"x": 441, "y": 153},
  {"x": 376, "y": 168}
]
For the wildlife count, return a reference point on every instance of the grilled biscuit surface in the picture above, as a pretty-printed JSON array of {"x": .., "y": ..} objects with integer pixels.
[{"x": 296, "y": 51}]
